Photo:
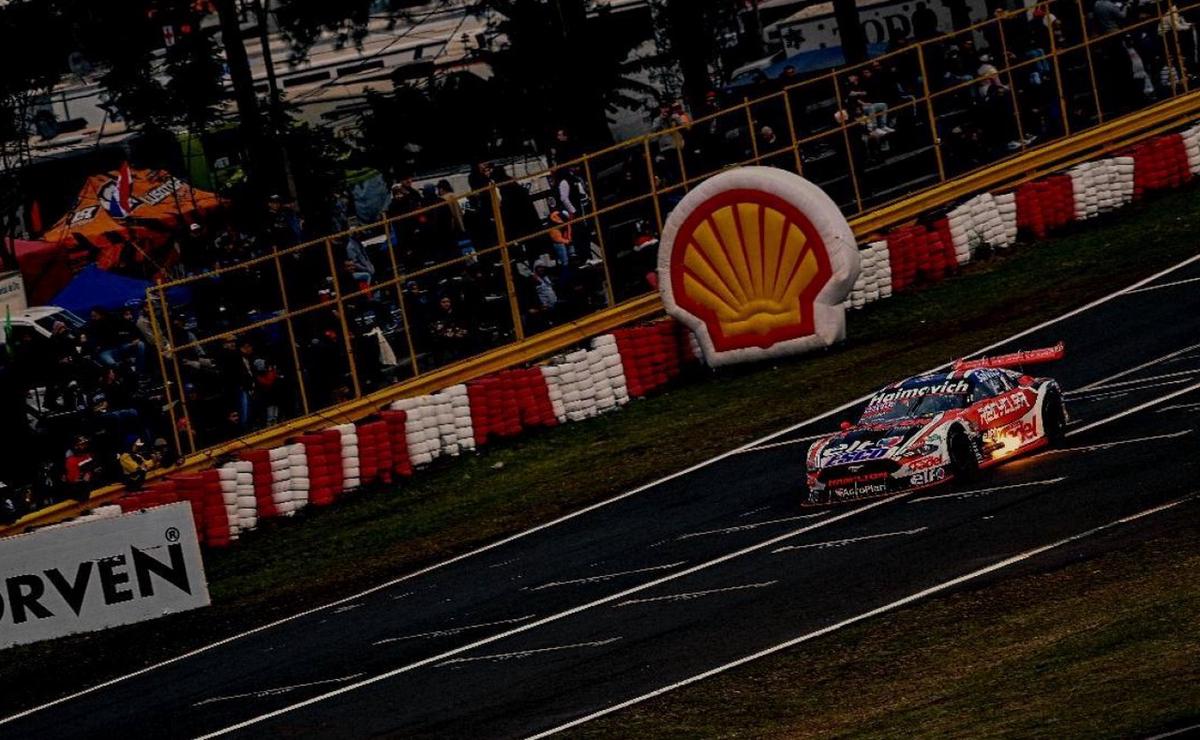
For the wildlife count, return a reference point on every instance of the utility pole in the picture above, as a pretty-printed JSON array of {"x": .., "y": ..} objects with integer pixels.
[
  {"x": 854, "y": 38},
  {"x": 275, "y": 103}
]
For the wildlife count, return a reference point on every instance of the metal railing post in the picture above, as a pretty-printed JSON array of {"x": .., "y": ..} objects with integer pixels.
[
  {"x": 160, "y": 347},
  {"x": 391, "y": 246},
  {"x": 1087, "y": 50},
  {"x": 187, "y": 418},
  {"x": 844, "y": 115},
  {"x": 287, "y": 313},
  {"x": 787, "y": 106},
  {"x": 653, "y": 184},
  {"x": 933, "y": 129},
  {"x": 608, "y": 286},
  {"x": 341, "y": 311},
  {"x": 1062, "y": 100},
  {"x": 1012, "y": 88},
  {"x": 750, "y": 129},
  {"x": 510, "y": 286}
]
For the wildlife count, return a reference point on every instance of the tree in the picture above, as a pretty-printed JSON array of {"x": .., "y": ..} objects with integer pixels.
[
  {"x": 33, "y": 50},
  {"x": 561, "y": 64}
]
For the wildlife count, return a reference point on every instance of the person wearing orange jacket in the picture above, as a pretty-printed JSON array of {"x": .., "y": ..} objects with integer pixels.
[{"x": 561, "y": 237}]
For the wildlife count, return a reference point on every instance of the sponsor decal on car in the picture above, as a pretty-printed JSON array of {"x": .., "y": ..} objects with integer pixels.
[
  {"x": 924, "y": 463},
  {"x": 946, "y": 387},
  {"x": 927, "y": 477},
  {"x": 853, "y": 479},
  {"x": 1002, "y": 406}
]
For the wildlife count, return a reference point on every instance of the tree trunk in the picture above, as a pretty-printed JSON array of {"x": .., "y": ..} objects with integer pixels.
[
  {"x": 249, "y": 118},
  {"x": 691, "y": 46},
  {"x": 854, "y": 38}
]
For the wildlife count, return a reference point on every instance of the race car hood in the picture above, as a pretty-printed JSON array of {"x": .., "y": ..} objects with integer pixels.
[{"x": 870, "y": 442}]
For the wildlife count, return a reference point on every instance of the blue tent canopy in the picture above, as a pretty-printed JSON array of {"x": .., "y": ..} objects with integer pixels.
[{"x": 95, "y": 287}]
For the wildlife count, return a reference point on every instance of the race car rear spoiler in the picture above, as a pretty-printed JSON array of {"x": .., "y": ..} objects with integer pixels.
[{"x": 1016, "y": 359}]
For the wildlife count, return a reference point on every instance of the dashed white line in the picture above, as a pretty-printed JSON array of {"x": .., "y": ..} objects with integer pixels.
[
  {"x": 752, "y": 512},
  {"x": 346, "y": 608},
  {"x": 498, "y": 657},
  {"x": 1179, "y": 406},
  {"x": 1101, "y": 393},
  {"x": 503, "y": 563},
  {"x": 689, "y": 595},
  {"x": 945, "y": 585},
  {"x": 849, "y": 540},
  {"x": 748, "y": 527},
  {"x": 279, "y": 691},
  {"x": 452, "y": 630},
  {"x": 1138, "y": 381},
  {"x": 1134, "y": 410},
  {"x": 606, "y": 576},
  {"x": 620, "y": 595},
  {"x": 993, "y": 489},
  {"x": 1136, "y": 368},
  {"x": 1175, "y": 733}
]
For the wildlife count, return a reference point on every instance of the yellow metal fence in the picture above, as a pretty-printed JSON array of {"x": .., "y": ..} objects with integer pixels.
[{"x": 297, "y": 331}]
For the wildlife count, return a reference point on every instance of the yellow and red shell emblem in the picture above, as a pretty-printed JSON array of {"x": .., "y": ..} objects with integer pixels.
[{"x": 747, "y": 267}]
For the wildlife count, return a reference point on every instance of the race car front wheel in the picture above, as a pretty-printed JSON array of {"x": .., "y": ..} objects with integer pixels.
[{"x": 963, "y": 462}]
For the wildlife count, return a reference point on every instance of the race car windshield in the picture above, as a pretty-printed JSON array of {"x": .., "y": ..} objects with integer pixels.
[{"x": 916, "y": 407}]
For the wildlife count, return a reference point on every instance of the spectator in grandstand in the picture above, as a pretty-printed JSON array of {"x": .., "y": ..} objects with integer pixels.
[
  {"x": 81, "y": 471},
  {"x": 547, "y": 297},
  {"x": 12, "y": 504},
  {"x": 1109, "y": 15},
  {"x": 358, "y": 262},
  {"x": 285, "y": 226},
  {"x": 561, "y": 237},
  {"x": 113, "y": 339},
  {"x": 237, "y": 376},
  {"x": 134, "y": 465},
  {"x": 924, "y": 22},
  {"x": 450, "y": 332}
]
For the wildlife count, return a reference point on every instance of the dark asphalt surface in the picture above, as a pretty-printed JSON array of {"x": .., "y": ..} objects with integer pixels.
[{"x": 596, "y": 655}]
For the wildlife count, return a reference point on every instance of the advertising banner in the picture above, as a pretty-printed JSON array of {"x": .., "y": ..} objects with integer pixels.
[{"x": 99, "y": 574}]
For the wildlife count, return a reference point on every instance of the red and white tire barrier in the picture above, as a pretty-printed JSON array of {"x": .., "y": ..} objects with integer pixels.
[{"x": 321, "y": 466}]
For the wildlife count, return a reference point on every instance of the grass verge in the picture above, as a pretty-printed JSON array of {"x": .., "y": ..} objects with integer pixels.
[
  {"x": 1105, "y": 648},
  {"x": 378, "y": 535}
]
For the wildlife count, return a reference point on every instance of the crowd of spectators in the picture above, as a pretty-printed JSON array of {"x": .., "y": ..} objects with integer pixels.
[{"x": 372, "y": 306}]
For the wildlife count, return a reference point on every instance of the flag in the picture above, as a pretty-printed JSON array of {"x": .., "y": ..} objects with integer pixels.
[{"x": 119, "y": 206}]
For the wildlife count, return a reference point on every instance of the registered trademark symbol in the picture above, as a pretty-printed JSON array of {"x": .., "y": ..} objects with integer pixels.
[{"x": 172, "y": 534}]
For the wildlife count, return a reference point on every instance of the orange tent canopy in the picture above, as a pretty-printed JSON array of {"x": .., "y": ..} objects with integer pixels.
[{"x": 162, "y": 205}]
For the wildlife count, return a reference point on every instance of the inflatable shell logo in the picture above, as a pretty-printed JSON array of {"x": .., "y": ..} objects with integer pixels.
[{"x": 757, "y": 262}]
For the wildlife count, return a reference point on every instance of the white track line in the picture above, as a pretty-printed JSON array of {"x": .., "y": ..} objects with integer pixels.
[
  {"x": 497, "y": 657},
  {"x": 1098, "y": 393},
  {"x": 1134, "y": 410},
  {"x": 748, "y": 527},
  {"x": 784, "y": 443},
  {"x": 600, "y": 504},
  {"x": 849, "y": 540},
  {"x": 945, "y": 585},
  {"x": 1139, "y": 381},
  {"x": 1108, "y": 445},
  {"x": 690, "y": 595},
  {"x": 605, "y": 576},
  {"x": 1164, "y": 285},
  {"x": 619, "y": 596},
  {"x": 993, "y": 489},
  {"x": 452, "y": 630},
  {"x": 1175, "y": 733},
  {"x": 264, "y": 693},
  {"x": 1132, "y": 370},
  {"x": 1179, "y": 406}
]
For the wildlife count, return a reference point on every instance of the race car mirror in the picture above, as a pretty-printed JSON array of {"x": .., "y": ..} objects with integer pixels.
[
  {"x": 845, "y": 426},
  {"x": 758, "y": 262}
]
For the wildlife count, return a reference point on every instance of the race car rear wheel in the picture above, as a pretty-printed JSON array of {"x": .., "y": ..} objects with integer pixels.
[
  {"x": 963, "y": 462},
  {"x": 1054, "y": 418}
]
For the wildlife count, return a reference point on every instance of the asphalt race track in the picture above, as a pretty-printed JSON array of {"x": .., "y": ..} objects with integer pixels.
[{"x": 698, "y": 571}]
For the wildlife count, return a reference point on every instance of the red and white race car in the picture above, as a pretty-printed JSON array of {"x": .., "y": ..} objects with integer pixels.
[{"x": 929, "y": 429}]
